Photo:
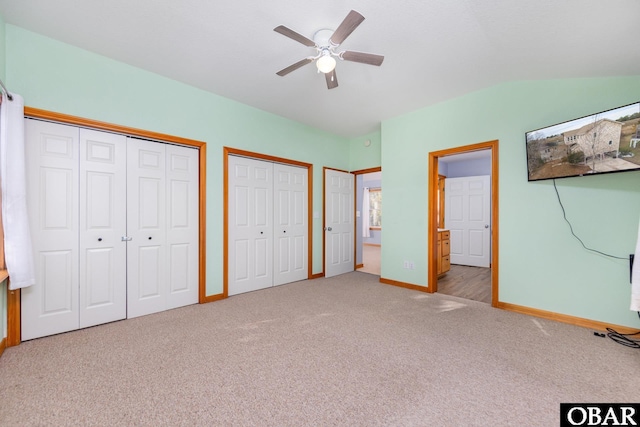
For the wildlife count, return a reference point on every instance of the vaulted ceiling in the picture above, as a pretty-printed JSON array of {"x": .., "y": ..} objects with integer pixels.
[{"x": 434, "y": 49}]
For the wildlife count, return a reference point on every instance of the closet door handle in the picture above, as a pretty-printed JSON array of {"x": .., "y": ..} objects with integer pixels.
[{"x": 99, "y": 239}]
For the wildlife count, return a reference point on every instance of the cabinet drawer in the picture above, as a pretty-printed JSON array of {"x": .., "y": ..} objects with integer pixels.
[
  {"x": 444, "y": 247},
  {"x": 446, "y": 264},
  {"x": 443, "y": 235}
]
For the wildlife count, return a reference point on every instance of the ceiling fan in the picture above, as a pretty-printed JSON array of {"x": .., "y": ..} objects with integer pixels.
[{"x": 325, "y": 42}]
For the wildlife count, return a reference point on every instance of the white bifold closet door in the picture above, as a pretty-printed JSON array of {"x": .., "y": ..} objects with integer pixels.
[
  {"x": 76, "y": 201},
  {"x": 268, "y": 230},
  {"x": 162, "y": 223},
  {"x": 290, "y": 215},
  {"x": 85, "y": 247},
  {"x": 103, "y": 204}
]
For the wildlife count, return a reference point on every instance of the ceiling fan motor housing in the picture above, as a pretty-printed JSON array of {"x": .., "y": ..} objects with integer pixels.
[{"x": 321, "y": 38}]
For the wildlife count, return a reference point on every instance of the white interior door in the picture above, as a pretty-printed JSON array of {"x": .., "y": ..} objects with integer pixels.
[
  {"x": 250, "y": 226},
  {"x": 291, "y": 228},
  {"x": 339, "y": 222},
  {"x": 103, "y": 222},
  {"x": 50, "y": 306},
  {"x": 146, "y": 227},
  {"x": 468, "y": 218},
  {"x": 182, "y": 172}
]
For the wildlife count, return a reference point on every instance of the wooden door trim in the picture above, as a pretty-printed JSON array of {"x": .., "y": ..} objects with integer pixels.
[
  {"x": 432, "y": 274},
  {"x": 226, "y": 152},
  {"x": 13, "y": 300},
  {"x": 369, "y": 170},
  {"x": 355, "y": 204},
  {"x": 36, "y": 113}
]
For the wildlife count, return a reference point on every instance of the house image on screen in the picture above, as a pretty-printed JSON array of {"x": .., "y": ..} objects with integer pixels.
[
  {"x": 595, "y": 140},
  {"x": 635, "y": 138},
  {"x": 552, "y": 152}
]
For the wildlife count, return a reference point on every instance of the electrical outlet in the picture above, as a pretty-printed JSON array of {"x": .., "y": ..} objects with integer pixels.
[
  {"x": 411, "y": 265},
  {"x": 405, "y": 265}
]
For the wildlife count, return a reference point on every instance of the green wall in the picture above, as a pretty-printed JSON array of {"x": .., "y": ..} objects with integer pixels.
[
  {"x": 540, "y": 264},
  {"x": 55, "y": 76},
  {"x": 362, "y": 156}
]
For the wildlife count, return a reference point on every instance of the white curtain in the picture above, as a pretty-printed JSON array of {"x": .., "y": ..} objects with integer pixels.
[
  {"x": 635, "y": 277},
  {"x": 17, "y": 238},
  {"x": 365, "y": 213}
]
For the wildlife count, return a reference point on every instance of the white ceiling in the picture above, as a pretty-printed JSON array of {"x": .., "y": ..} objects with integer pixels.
[{"x": 434, "y": 49}]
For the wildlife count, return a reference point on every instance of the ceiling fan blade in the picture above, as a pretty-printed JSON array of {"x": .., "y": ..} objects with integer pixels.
[
  {"x": 350, "y": 23},
  {"x": 295, "y": 36},
  {"x": 365, "y": 58},
  {"x": 332, "y": 79},
  {"x": 294, "y": 67}
]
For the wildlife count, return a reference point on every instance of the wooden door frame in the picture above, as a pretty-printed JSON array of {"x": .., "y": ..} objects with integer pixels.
[
  {"x": 228, "y": 151},
  {"x": 355, "y": 202},
  {"x": 13, "y": 297},
  {"x": 432, "y": 226}
]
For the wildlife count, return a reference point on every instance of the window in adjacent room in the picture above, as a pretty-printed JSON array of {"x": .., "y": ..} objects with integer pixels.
[
  {"x": 375, "y": 208},
  {"x": 440, "y": 199}
]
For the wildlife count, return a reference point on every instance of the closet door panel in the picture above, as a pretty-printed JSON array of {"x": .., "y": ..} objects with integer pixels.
[
  {"x": 149, "y": 264},
  {"x": 103, "y": 263},
  {"x": 290, "y": 213},
  {"x": 250, "y": 190},
  {"x": 50, "y": 306},
  {"x": 146, "y": 227},
  {"x": 182, "y": 172}
]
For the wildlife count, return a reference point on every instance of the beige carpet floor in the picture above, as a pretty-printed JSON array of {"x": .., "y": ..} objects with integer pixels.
[{"x": 345, "y": 351}]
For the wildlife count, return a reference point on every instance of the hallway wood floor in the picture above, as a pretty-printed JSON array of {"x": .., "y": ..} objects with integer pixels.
[
  {"x": 370, "y": 259},
  {"x": 462, "y": 281}
]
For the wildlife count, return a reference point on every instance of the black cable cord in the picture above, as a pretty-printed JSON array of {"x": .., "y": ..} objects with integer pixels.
[
  {"x": 564, "y": 214},
  {"x": 624, "y": 338},
  {"x": 611, "y": 333}
]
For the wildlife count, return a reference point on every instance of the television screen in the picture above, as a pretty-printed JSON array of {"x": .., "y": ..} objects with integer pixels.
[{"x": 604, "y": 142}]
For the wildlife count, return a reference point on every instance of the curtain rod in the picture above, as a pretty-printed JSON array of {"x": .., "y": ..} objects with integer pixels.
[{"x": 4, "y": 88}]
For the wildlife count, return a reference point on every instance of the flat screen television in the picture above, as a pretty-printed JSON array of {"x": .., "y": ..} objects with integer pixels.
[{"x": 605, "y": 142}]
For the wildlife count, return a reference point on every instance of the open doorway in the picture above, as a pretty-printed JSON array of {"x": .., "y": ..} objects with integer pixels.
[
  {"x": 463, "y": 222},
  {"x": 368, "y": 220}
]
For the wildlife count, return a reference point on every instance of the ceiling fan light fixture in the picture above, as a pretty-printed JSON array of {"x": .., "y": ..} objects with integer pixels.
[
  {"x": 326, "y": 64},
  {"x": 325, "y": 41}
]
